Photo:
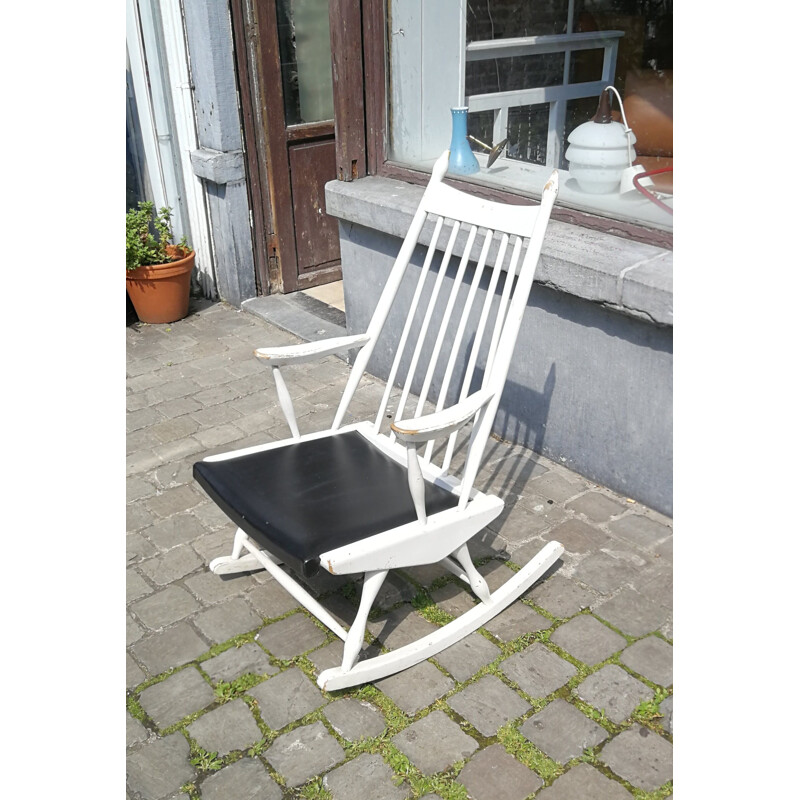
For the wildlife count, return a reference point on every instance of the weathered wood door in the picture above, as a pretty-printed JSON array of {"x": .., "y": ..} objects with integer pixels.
[{"x": 295, "y": 97}]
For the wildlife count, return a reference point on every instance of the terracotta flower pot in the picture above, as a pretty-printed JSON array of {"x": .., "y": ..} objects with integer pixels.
[{"x": 160, "y": 292}]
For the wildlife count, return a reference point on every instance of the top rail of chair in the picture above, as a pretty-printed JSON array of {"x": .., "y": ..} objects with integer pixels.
[{"x": 451, "y": 203}]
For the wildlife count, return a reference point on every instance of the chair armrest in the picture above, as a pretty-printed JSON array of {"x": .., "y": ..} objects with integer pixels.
[
  {"x": 441, "y": 423},
  {"x": 309, "y": 351}
]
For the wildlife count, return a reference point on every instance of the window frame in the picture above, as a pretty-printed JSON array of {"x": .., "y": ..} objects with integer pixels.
[{"x": 373, "y": 144}]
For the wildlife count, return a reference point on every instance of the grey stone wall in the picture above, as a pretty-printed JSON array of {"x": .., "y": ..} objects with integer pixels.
[{"x": 591, "y": 381}]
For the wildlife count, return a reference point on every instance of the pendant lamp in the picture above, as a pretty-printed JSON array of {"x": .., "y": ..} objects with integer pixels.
[{"x": 601, "y": 150}]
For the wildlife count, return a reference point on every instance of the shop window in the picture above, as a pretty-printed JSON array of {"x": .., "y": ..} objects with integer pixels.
[{"x": 530, "y": 72}]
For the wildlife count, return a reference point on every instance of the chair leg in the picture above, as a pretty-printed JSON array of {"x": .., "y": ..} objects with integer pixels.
[
  {"x": 476, "y": 580},
  {"x": 235, "y": 562},
  {"x": 355, "y": 637},
  {"x": 373, "y": 669}
]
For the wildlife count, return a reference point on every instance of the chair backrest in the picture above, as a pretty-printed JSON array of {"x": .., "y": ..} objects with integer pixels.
[{"x": 449, "y": 345}]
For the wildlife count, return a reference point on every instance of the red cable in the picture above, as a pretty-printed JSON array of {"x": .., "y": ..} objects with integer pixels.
[{"x": 640, "y": 175}]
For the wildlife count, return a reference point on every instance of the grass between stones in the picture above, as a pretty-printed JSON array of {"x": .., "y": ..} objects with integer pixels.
[
  {"x": 236, "y": 688},
  {"x": 528, "y": 754},
  {"x": 661, "y": 793},
  {"x": 443, "y": 784},
  {"x": 315, "y": 790}
]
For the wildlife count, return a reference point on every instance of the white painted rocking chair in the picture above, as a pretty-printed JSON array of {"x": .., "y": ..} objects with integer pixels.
[{"x": 354, "y": 499}]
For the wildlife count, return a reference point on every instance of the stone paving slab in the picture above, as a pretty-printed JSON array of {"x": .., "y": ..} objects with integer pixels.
[
  {"x": 332, "y": 653},
  {"x": 173, "y": 647},
  {"x": 354, "y": 720},
  {"x": 400, "y": 627},
  {"x": 488, "y": 704},
  {"x": 416, "y": 687},
  {"x": 135, "y": 732},
  {"x": 304, "y": 752},
  {"x": 434, "y": 743},
  {"x": 607, "y": 572},
  {"x": 641, "y": 757},
  {"x": 226, "y": 620},
  {"x": 133, "y": 631},
  {"x": 515, "y": 621},
  {"x": 133, "y": 673},
  {"x": 560, "y": 596},
  {"x": 632, "y": 613},
  {"x": 588, "y": 640},
  {"x": 529, "y": 517},
  {"x": 209, "y": 589},
  {"x": 614, "y": 691},
  {"x": 233, "y": 663},
  {"x": 640, "y": 530},
  {"x": 247, "y": 779},
  {"x": 651, "y": 658},
  {"x": 666, "y": 709},
  {"x": 159, "y": 768},
  {"x": 194, "y": 389},
  {"x": 464, "y": 658},
  {"x": 286, "y": 698},
  {"x": 288, "y": 637},
  {"x": 454, "y": 598},
  {"x": 493, "y": 774},
  {"x": 176, "y": 697},
  {"x": 537, "y": 670},
  {"x": 165, "y": 607},
  {"x": 180, "y": 528},
  {"x": 584, "y": 781},
  {"x": 577, "y": 536},
  {"x": 656, "y": 583},
  {"x": 271, "y": 599},
  {"x": 596, "y": 506},
  {"x": 226, "y": 728},
  {"x": 561, "y": 731},
  {"x": 366, "y": 777}
]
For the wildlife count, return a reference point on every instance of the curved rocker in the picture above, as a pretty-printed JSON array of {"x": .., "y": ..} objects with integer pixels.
[
  {"x": 357, "y": 499},
  {"x": 380, "y": 666}
]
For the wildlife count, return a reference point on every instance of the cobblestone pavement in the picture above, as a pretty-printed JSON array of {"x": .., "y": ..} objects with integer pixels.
[{"x": 566, "y": 695}]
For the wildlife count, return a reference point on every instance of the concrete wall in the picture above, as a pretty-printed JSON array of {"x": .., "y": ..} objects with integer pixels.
[{"x": 591, "y": 381}]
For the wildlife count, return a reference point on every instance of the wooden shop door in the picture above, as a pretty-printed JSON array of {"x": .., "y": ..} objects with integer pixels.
[{"x": 296, "y": 101}]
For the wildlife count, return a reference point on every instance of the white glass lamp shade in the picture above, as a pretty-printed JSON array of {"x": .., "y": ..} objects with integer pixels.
[{"x": 598, "y": 154}]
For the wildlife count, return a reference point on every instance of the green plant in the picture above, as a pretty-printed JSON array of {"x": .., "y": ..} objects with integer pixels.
[
  {"x": 143, "y": 248},
  {"x": 236, "y": 688},
  {"x": 208, "y": 762}
]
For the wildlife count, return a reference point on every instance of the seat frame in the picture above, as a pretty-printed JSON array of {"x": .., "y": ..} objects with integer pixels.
[{"x": 442, "y": 537}]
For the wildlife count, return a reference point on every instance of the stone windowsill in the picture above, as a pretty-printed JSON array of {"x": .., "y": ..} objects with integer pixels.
[{"x": 630, "y": 277}]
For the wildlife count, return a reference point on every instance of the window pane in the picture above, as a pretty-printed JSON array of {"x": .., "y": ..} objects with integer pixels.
[
  {"x": 504, "y": 19},
  {"x": 527, "y": 134},
  {"x": 305, "y": 47},
  {"x": 510, "y": 74},
  {"x": 480, "y": 124}
]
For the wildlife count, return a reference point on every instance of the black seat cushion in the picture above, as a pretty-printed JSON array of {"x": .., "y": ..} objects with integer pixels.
[{"x": 303, "y": 499}]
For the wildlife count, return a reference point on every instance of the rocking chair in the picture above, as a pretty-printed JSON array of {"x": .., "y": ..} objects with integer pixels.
[{"x": 355, "y": 499}]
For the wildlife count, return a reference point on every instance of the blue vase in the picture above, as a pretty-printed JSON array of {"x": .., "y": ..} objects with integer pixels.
[{"x": 462, "y": 159}]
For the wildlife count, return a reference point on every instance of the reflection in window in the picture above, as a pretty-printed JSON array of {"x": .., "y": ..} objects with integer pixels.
[
  {"x": 305, "y": 48},
  {"x": 643, "y": 45},
  {"x": 531, "y": 72}
]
